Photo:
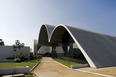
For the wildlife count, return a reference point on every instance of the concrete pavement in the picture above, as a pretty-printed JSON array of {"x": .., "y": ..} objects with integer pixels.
[{"x": 49, "y": 68}]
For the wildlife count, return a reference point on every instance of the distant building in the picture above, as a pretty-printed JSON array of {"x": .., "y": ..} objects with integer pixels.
[
  {"x": 35, "y": 46},
  {"x": 8, "y": 51}
]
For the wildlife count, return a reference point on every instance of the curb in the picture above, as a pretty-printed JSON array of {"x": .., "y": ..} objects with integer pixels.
[
  {"x": 35, "y": 66},
  {"x": 94, "y": 73},
  {"x": 34, "y": 75}
]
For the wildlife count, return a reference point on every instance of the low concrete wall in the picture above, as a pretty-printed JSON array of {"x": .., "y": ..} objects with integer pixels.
[
  {"x": 79, "y": 66},
  {"x": 15, "y": 70},
  {"x": 7, "y": 51}
]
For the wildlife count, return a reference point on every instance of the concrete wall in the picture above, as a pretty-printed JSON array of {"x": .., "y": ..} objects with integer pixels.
[
  {"x": 59, "y": 49},
  {"x": 15, "y": 70},
  {"x": 7, "y": 51},
  {"x": 44, "y": 49},
  {"x": 75, "y": 46}
]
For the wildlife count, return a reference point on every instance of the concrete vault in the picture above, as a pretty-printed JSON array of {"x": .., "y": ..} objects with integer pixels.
[
  {"x": 44, "y": 34},
  {"x": 98, "y": 49}
]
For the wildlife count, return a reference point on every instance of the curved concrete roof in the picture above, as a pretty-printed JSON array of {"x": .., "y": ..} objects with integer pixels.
[
  {"x": 45, "y": 33},
  {"x": 98, "y": 49}
]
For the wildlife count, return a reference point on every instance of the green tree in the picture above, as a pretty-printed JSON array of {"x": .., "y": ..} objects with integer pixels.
[
  {"x": 1, "y": 42},
  {"x": 18, "y": 45}
]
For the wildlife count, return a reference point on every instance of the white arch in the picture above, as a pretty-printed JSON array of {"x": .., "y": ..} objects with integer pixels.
[
  {"x": 45, "y": 33},
  {"x": 77, "y": 43}
]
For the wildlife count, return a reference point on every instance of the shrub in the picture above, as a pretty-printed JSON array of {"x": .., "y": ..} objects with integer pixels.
[
  {"x": 76, "y": 53},
  {"x": 38, "y": 56},
  {"x": 22, "y": 56},
  {"x": 13, "y": 56},
  {"x": 47, "y": 54},
  {"x": 10, "y": 57},
  {"x": 17, "y": 60},
  {"x": 31, "y": 56}
]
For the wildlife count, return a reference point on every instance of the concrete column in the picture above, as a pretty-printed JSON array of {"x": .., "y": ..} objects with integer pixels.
[
  {"x": 71, "y": 47},
  {"x": 54, "y": 51},
  {"x": 65, "y": 47}
]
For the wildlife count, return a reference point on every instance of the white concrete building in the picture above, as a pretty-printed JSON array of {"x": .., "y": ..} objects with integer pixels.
[
  {"x": 7, "y": 51},
  {"x": 98, "y": 49}
]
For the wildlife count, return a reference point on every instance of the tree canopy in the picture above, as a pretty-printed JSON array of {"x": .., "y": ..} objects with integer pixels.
[{"x": 1, "y": 42}]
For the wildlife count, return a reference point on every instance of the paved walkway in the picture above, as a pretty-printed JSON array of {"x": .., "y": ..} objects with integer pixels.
[
  {"x": 49, "y": 68},
  {"x": 106, "y": 71}
]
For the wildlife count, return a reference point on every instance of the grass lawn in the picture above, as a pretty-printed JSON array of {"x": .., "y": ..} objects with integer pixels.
[
  {"x": 66, "y": 62},
  {"x": 29, "y": 63}
]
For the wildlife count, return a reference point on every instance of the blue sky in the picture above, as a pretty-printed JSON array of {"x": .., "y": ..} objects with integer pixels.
[{"x": 22, "y": 19}]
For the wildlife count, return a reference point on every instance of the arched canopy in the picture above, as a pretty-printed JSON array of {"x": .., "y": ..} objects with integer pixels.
[
  {"x": 44, "y": 34},
  {"x": 98, "y": 49},
  {"x": 61, "y": 35}
]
